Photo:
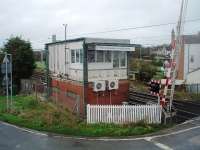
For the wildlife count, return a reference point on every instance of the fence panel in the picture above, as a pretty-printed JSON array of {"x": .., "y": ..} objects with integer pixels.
[
  {"x": 193, "y": 88},
  {"x": 120, "y": 114}
]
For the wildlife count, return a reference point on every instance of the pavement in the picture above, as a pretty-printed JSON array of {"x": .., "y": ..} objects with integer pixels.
[{"x": 185, "y": 136}]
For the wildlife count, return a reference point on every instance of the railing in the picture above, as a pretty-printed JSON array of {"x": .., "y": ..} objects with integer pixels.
[{"x": 122, "y": 114}]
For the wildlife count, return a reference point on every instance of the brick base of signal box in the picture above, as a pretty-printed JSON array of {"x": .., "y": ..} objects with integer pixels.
[{"x": 69, "y": 94}]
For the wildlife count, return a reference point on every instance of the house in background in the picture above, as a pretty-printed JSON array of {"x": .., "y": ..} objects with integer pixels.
[
  {"x": 159, "y": 51},
  {"x": 39, "y": 54},
  {"x": 89, "y": 71},
  {"x": 189, "y": 61}
]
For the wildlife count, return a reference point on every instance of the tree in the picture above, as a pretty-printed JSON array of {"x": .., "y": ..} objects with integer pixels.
[
  {"x": 23, "y": 59},
  {"x": 145, "y": 68}
]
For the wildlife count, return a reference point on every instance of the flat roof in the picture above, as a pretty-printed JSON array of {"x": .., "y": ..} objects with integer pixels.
[
  {"x": 94, "y": 40},
  {"x": 192, "y": 39}
]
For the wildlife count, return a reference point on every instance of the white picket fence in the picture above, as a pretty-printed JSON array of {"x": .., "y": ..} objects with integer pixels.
[{"x": 120, "y": 114}]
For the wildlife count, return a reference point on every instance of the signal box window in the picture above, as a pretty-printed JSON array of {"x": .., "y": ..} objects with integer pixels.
[
  {"x": 81, "y": 55},
  {"x": 77, "y": 56},
  {"x": 115, "y": 59},
  {"x": 91, "y": 56},
  {"x": 122, "y": 59},
  {"x": 99, "y": 56},
  {"x": 107, "y": 55},
  {"x": 72, "y": 56}
]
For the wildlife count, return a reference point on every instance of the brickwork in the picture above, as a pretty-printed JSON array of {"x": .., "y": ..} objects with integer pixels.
[
  {"x": 115, "y": 97},
  {"x": 61, "y": 89},
  {"x": 69, "y": 94}
]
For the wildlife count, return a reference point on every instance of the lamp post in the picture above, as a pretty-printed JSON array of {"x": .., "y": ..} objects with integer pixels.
[{"x": 65, "y": 26}]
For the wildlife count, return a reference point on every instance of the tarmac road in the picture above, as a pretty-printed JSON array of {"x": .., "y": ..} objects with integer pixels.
[{"x": 182, "y": 137}]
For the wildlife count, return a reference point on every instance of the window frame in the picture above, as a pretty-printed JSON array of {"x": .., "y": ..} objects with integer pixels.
[
  {"x": 110, "y": 61},
  {"x": 97, "y": 54},
  {"x": 79, "y": 53},
  {"x": 73, "y": 59},
  {"x": 125, "y": 59},
  {"x": 94, "y": 60},
  {"x": 119, "y": 59}
]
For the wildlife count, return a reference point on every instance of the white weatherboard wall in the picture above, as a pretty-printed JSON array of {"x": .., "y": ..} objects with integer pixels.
[
  {"x": 105, "y": 71},
  {"x": 57, "y": 60},
  {"x": 191, "y": 50},
  {"x": 121, "y": 114},
  {"x": 193, "y": 77},
  {"x": 96, "y": 71}
]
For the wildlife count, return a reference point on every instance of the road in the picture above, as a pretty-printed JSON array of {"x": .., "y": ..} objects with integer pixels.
[{"x": 182, "y": 137}]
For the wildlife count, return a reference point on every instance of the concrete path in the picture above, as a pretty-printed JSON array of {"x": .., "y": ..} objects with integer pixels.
[{"x": 182, "y": 137}]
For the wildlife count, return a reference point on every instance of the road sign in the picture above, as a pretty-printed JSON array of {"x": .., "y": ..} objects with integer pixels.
[
  {"x": 5, "y": 59},
  {"x": 6, "y": 69},
  {"x": 3, "y": 68},
  {"x": 6, "y": 65},
  {"x": 4, "y": 81}
]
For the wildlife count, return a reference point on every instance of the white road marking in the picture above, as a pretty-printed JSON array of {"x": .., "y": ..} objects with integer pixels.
[
  {"x": 24, "y": 129},
  {"x": 162, "y": 146}
]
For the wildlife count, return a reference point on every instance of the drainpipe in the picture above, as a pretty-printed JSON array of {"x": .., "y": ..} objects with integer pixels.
[
  {"x": 47, "y": 72},
  {"x": 85, "y": 77}
]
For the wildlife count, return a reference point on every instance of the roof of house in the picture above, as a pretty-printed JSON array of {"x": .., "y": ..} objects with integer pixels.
[{"x": 192, "y": 39}]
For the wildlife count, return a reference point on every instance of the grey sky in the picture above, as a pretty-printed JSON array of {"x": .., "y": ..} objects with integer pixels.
[{"x": 37, "y": 20}]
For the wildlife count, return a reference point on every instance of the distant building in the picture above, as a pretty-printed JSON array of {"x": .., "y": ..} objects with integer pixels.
[
  {"x": 39, "y": 54},
  {"x": 89, "y": 71},
  {"x": 158, "y": 51},
  {"x": 189, "y": 60}
]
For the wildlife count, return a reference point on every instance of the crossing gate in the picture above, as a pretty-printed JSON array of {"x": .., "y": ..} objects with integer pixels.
[{"x": 122, "y": 114}]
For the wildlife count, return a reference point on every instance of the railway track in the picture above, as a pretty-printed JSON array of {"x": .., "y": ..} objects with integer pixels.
[
  {"x": 38, "y": 76},
  {"x": 185, "y": 109}
]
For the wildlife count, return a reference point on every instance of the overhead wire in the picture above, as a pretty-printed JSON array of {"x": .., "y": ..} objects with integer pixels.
[{"x": 134, "y": 28}]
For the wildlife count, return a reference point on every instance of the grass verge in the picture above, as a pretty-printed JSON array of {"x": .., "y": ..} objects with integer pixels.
[{"x": 45, "y": 116}]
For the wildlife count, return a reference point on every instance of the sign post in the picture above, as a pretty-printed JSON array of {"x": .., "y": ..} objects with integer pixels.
[{"x": 6, "y": 70}]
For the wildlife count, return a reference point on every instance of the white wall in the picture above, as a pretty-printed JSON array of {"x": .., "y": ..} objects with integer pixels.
[
  {"x": 193, "y": 77},
  {"x": 94, "y": 75},
  {"x": 57, "y": 60},
  {"x": 191, "y": 50},
  {"x": 96, "y": 71},
  {"x": 105, "y": 71}
]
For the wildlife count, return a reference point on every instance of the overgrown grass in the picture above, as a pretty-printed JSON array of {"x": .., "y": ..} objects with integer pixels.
[
  {"x": 45, "y": 116},
  {"x": 178, "y": 95},
  {"x": 182, "y": 95}
]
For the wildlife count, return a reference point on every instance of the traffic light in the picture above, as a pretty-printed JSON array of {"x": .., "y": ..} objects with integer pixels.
[{"x": 154, "y": 87}]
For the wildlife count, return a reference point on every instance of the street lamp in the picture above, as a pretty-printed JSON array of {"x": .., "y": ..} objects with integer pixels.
[{"x": 65, "y": 26}]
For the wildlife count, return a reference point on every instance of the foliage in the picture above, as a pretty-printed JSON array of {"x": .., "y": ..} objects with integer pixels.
[
  {"x": 157, "y": 62},
  {"x": 145, "y": 68},
  {"x": 40, "y": 66},
  {"x": 46, "y": 116},
  {"x": 23, "y": 59},
  {"x": 182, "y": 95}
]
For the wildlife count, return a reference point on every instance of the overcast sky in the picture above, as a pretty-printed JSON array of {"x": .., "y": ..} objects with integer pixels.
[{"x": 37, "y": 20}]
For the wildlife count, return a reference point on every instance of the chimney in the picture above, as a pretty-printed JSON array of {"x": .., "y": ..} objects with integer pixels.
[{"x": 53, "y": 38}]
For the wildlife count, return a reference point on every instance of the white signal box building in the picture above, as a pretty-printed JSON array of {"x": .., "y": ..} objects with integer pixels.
[{"x": 90, "y": 68}]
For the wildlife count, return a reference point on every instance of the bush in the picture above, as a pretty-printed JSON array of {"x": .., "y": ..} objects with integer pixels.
[{"x": 157, "y": 62}]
